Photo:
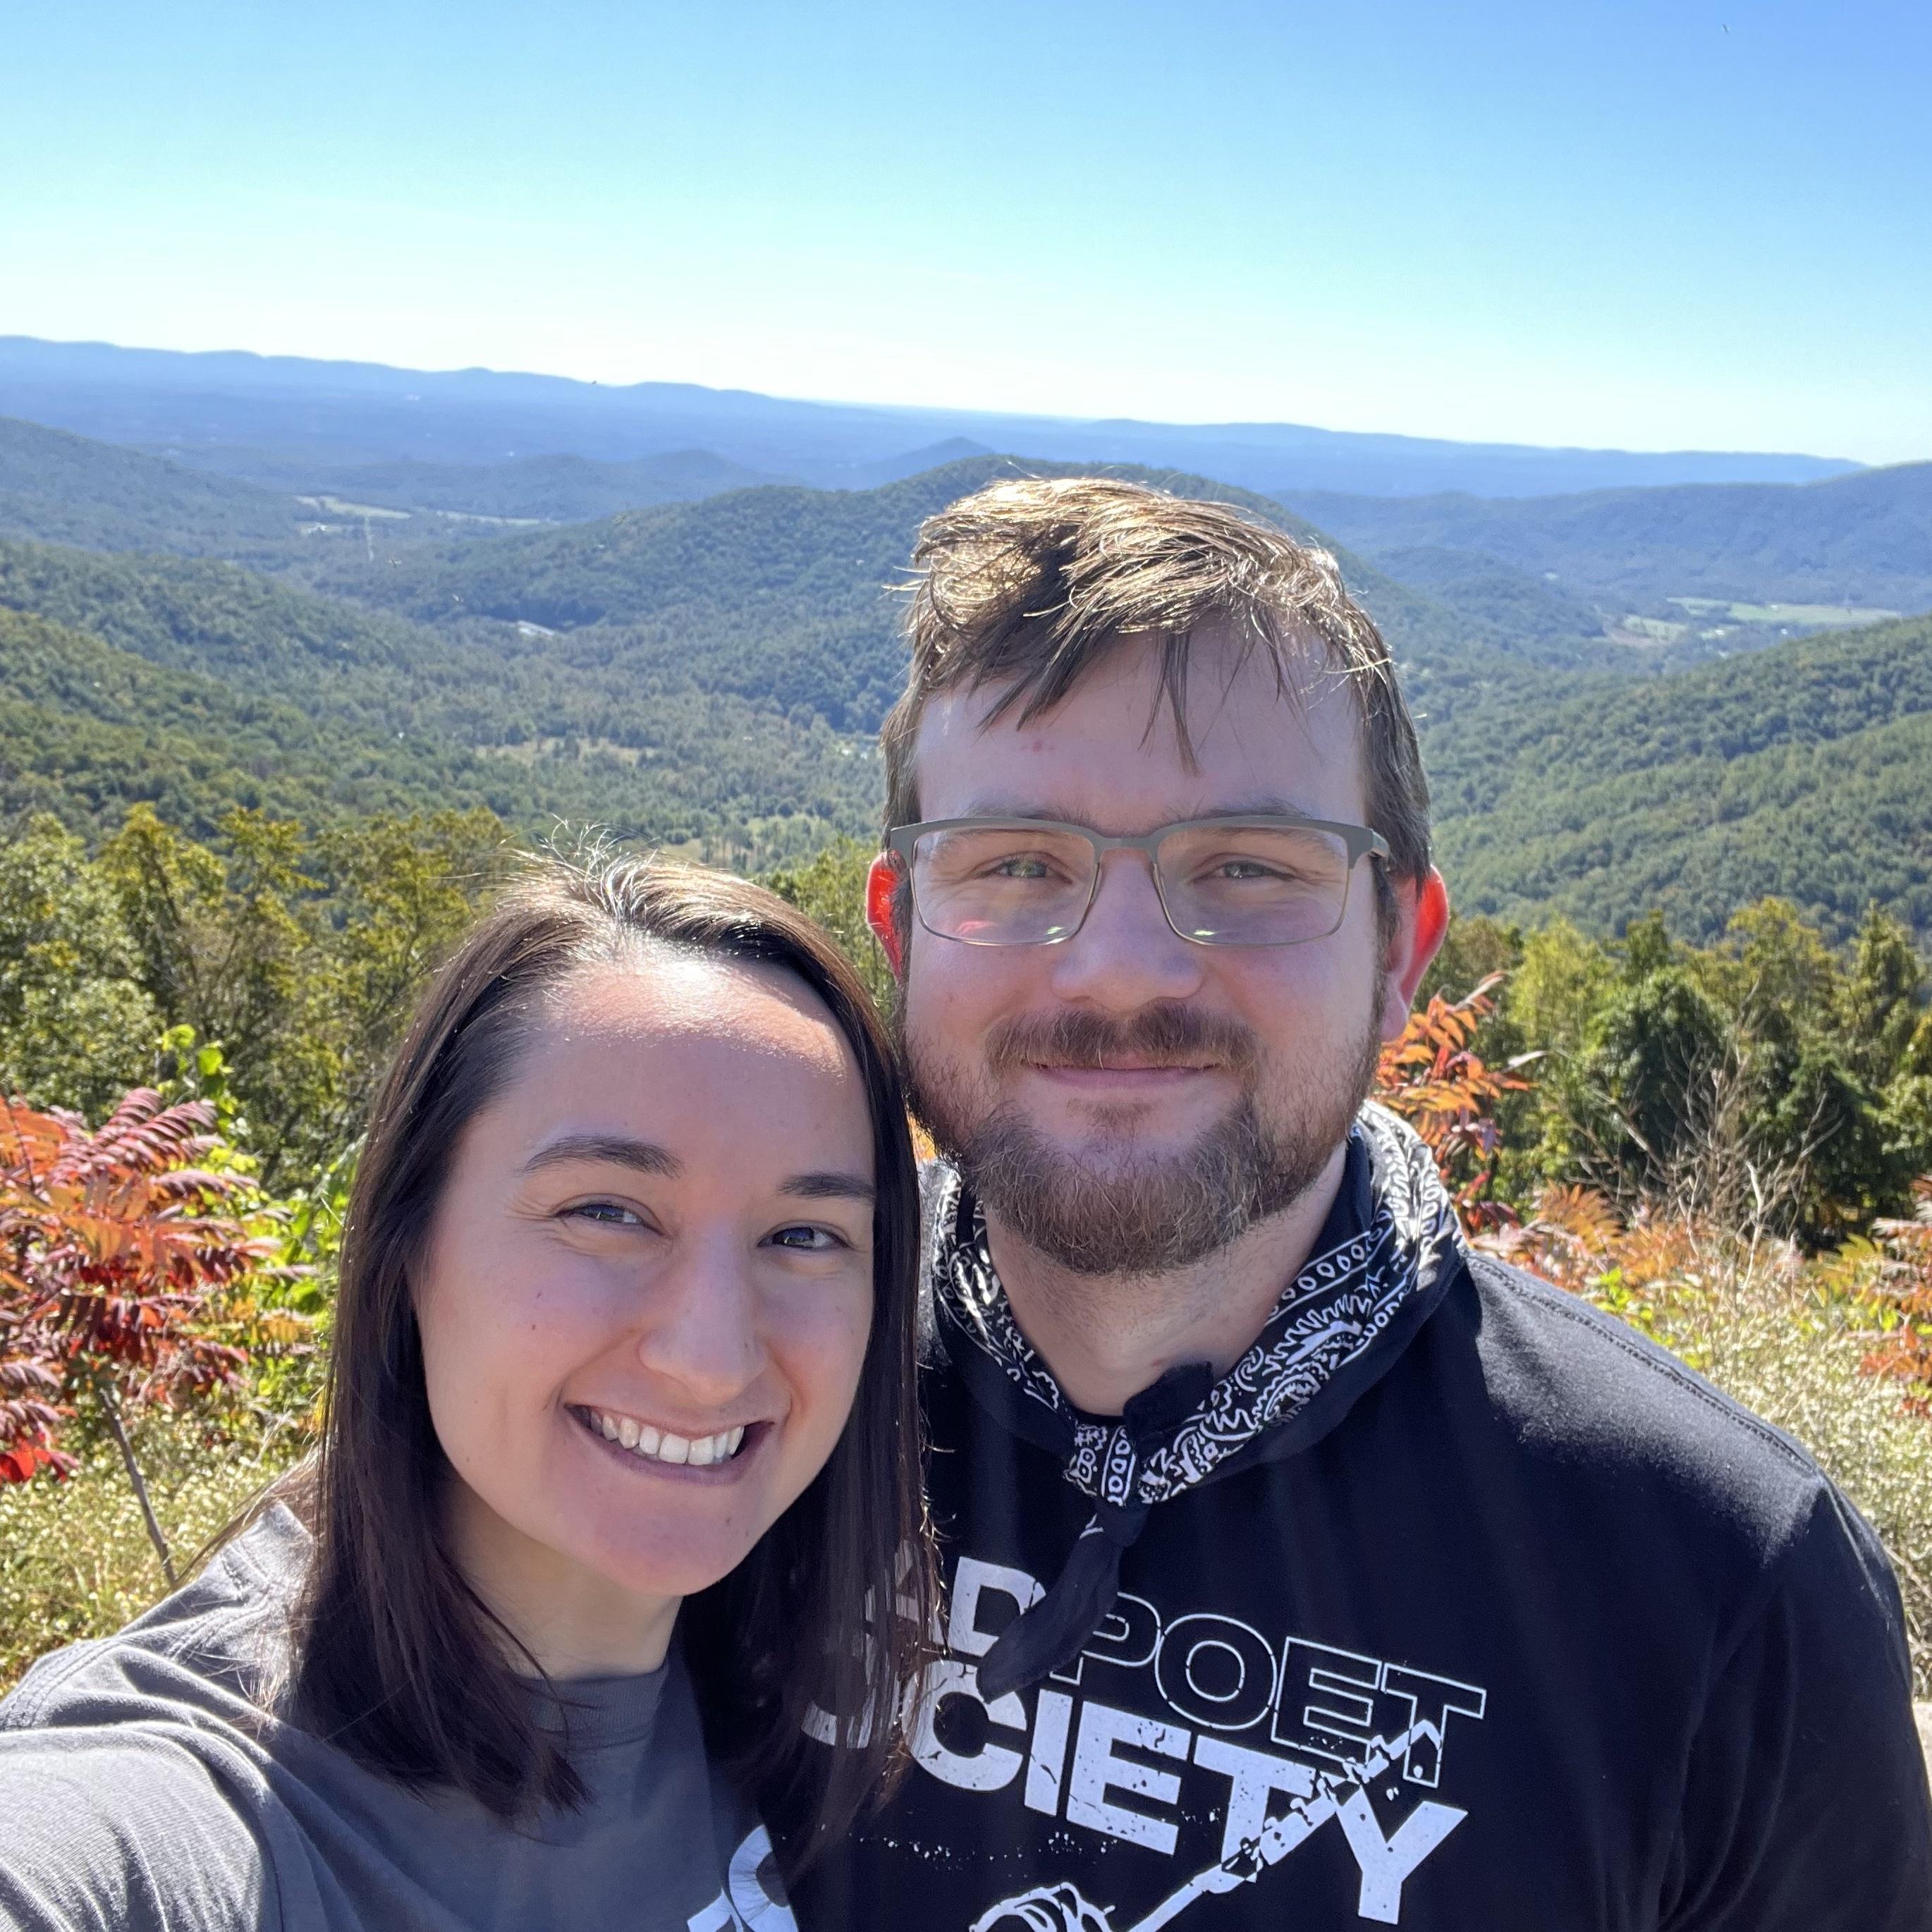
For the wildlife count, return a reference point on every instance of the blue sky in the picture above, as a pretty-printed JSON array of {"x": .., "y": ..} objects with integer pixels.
[{"x": 1704, "y": 223}]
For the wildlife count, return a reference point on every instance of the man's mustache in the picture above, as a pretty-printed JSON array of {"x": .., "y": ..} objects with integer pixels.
[{"x": 1168, "y": 1034}]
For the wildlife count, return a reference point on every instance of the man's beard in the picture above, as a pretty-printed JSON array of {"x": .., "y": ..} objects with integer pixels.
[{"x": 1146, "y": 1214}]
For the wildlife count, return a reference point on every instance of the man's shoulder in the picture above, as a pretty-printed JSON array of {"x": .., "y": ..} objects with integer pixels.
[{"x": 1593, "y": 1405}]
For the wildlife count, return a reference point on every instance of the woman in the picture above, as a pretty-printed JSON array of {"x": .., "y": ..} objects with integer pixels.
[{"x": 624, "y": 1319}]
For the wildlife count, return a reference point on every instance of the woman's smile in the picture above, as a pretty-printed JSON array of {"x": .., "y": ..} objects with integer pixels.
[{"x": 720, "y": 1456}]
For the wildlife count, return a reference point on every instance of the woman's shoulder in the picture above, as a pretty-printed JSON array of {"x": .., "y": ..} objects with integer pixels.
[
  {"x": 131, "y": 1766},
  {"x": 125, "y": 1828},
  {"x": 214, "y": 1647}
]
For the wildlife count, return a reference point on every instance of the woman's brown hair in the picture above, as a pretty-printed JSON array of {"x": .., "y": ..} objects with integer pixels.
[{"x": 396, "y": 1659}]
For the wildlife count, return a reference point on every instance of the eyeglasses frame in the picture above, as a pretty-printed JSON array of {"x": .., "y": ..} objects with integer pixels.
[{"x": 1359, "y": 841}]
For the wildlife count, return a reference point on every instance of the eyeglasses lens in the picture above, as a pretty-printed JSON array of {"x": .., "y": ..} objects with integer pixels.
[
  {"x": 1231, "y": 885},
  {"x": 1002, "y": 885},
  {"x": 1253, "y": 885}
]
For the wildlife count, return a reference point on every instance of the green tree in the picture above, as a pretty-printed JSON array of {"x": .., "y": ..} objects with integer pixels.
[
  {"x": 1776, "y": 974},
  {"x": 1658, "y": 1047},
  {"x": 1881, "y": 1000},
  {"x": 299, "y": 957},
  {"x": 400, "y": 892},
  {"x": 1562, "y": 982},
  {"x": 77, "y": 1028},
  {"x": 1646, "y": 947},
  {"x": 1810, "y": 1114},
  {"x": 831, "y": 887},
  {"x": 1550, "y": 1006}
]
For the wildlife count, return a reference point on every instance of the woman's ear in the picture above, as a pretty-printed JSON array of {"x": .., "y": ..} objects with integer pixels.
[{"x": 882, "y": 888}]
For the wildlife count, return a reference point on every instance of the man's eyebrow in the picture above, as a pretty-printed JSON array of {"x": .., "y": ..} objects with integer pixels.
[
  {"x": 830, "y": 1186},
  {"x": 1265, "y": 805},
  {"x": 621, "y": 1150}
]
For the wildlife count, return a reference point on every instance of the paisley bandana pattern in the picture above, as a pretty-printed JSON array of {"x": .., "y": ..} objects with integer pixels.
[{"x": 1331, "y": 1312}]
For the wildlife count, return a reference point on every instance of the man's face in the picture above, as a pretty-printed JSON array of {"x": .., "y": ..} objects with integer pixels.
[{"x": 1128, "y": 1100}]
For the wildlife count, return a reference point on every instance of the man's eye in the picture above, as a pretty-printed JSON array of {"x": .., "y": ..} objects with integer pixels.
[{"x": 1025, "y": 866}]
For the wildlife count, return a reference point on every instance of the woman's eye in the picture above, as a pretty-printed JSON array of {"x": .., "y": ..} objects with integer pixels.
[
  {"x": 605, "y": 1214},
  {"x": 806, "y": 1240}
]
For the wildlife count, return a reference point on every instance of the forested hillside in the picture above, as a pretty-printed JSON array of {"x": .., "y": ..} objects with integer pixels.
[
  {"x": 709, "y": 673},
  {"x": 784, "y": 593},
  {"x": 555, "y": 489},
  {"x": 203, "y": 685},
  {"x": 1864, "y": 539},
  {"x": 66, "y": 489},
  {"x": 1804, "y": 771}
]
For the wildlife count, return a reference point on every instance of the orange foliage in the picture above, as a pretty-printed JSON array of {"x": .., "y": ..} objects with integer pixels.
[
  {"x": 1903, "y": 1291},
  {"x": 114, "y": 1245},
  {"x": 1575, "y": 1239},
  {"x": 1432, "y": 1078}
]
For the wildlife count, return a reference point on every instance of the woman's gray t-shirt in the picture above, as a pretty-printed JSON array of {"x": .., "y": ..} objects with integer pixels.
[{"x": 143, "y": 1789}]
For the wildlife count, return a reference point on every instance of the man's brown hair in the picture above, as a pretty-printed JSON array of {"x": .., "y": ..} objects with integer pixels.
[{"x": 1030, "y": 582}]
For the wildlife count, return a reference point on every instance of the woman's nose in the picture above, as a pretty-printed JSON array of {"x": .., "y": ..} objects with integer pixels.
[{"x": 700, "y": 1328}]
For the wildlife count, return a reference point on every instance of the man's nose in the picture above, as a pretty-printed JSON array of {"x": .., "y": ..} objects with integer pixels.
[
  {"x": 699, "y": 1328},
  {"x": 1126, "y": 956}
]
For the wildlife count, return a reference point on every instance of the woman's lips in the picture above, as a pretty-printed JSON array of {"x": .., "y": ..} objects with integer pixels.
[{"x": 719, "y": 1468}]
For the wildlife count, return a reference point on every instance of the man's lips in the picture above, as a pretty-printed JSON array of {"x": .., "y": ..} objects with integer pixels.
[{"x": 1114, "y": 1077}]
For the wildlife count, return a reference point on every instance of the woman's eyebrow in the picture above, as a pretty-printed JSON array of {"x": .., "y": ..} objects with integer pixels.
[
  {"x": 830, "y": 1187},
  {"x": 646, "y": 1157}
]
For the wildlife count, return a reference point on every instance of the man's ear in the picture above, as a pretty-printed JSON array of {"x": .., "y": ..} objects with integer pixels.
[
  {"x": 1423, "y": 926},
  {"x": 882, "y": 887}
]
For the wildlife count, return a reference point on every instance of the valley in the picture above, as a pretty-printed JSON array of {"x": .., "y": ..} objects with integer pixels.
[{"x": 1683, "y": 696}]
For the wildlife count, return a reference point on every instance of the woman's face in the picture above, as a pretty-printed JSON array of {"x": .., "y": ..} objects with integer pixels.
[{"x": 647, "y": 1292}]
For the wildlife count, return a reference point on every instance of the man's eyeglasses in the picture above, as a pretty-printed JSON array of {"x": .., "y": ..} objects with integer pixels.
[{"x": 1260, "y": 881}]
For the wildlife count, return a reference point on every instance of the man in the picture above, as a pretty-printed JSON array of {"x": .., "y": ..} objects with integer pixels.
[{"x": 1304, "y": 1568}]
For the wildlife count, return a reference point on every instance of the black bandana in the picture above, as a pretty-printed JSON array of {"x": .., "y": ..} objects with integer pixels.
[{"x": 1179, "y": 1432}]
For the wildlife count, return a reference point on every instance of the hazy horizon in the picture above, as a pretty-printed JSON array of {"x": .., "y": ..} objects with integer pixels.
[
  {"x": 1661, "y": 225},
  {"x": 994, "y": 413}
]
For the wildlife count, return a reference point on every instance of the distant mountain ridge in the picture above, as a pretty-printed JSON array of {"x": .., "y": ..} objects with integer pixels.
[
  {"x": 348, "y": 412},
  {"x": 1865, "y": 538},
  {"x": 532, "y": 489}
]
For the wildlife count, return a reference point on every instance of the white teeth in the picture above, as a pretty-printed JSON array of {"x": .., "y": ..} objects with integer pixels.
[{"x": 657, "y": 1446}]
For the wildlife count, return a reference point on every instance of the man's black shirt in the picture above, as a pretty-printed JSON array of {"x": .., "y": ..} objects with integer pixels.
[{"x": 1533, "y": 1629}]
